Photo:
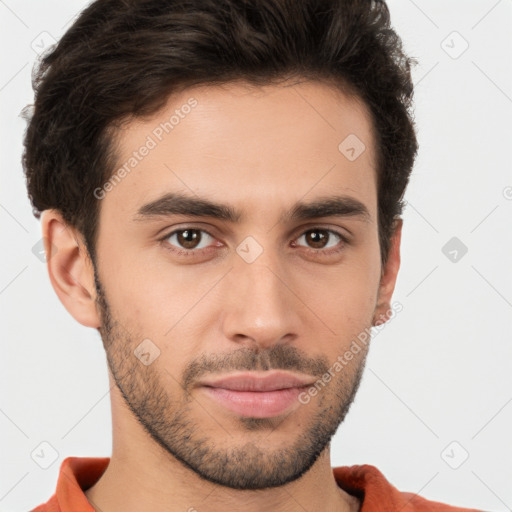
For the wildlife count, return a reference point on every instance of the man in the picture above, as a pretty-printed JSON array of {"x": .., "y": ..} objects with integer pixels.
[{"x": 221, "y": 187}]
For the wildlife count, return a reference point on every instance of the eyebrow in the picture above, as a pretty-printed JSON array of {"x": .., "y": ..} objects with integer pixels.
[{"x": 181, "y": 204}]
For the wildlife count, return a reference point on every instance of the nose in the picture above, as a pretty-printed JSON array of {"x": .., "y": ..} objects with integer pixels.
[{"x": 261, "y": 308}]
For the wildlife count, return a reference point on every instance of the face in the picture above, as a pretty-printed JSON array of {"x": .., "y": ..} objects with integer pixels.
[{"x": 242, "y": 240}]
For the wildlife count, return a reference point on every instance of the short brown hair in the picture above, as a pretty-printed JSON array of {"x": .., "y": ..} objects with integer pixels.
[{"x": 124, "y": 58}]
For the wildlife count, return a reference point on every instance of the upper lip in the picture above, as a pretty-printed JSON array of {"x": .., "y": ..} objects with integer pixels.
[{"x": 258, "y": 381}]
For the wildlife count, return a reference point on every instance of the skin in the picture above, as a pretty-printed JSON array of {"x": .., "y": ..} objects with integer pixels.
[{"x": 297, "y": 307}]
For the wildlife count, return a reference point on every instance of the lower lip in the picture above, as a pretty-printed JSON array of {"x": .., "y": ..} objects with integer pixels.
[{"x": 256, "y": 404}]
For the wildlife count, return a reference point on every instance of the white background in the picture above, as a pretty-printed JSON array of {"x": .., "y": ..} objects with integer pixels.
[{"x": 439, "y": 372}]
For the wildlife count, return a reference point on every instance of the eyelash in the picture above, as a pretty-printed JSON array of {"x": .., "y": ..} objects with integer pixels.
[{"x": 195, "y": 252}]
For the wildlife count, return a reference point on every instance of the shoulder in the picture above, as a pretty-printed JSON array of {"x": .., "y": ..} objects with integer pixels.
[
  {"x": 376, "y": 493},
  {"x": 418, "y": 504}
]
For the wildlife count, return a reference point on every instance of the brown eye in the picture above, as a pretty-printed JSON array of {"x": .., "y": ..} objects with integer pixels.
[
  {"x": 320, "y": 238},
  {"x": 189, "y": 239},
  {"x": 317, "y": 239}
]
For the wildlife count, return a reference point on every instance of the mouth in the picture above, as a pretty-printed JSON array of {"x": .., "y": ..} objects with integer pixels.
[
  {"x": 256, "y": 404},
  {"x": 257, "y": 395}
]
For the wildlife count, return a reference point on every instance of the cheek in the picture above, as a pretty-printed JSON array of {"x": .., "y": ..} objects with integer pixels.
[
  {"x": 345, "y": 294},
  {"x": 344, "y": 300},
  {"x": 145, "y": 287},
  {"x": 161, "y": 305}
]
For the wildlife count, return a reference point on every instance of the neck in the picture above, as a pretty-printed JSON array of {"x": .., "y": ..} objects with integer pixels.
[
  {"x": 142, "y": 475},
  {"x": 151, "y": 480}
]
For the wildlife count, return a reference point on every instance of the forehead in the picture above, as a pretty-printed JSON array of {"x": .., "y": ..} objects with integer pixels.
[{"x": 246, "y": 144}]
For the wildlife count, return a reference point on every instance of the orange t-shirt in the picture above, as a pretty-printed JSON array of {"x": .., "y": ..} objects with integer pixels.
[{"x": 366, "y": 482}]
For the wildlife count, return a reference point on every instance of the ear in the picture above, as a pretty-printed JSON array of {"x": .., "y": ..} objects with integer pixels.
[
  {"x": 388, "y": 278},
  {"x": 70, "y": 268}
]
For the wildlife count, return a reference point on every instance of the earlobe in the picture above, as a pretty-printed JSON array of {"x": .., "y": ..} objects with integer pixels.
[
  {"x": 388, "y": 279},
  {"x": 69, "y": 268}
]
